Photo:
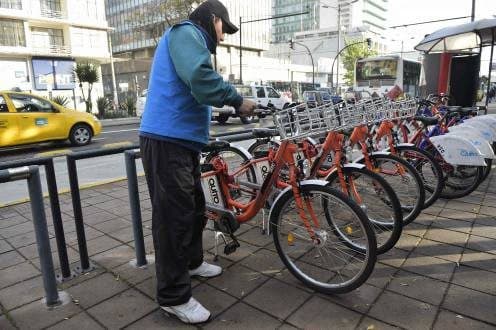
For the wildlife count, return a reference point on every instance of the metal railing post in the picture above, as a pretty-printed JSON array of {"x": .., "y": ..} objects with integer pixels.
[
  {"x": 132, "y": 183},
  {"x": 78, "y": 214},
  {"x": 42, "y": 238},
  {"x": 58, "y": 226},
  {"x": 54, "y": 205},
  {"x": 32, "y": 175}
]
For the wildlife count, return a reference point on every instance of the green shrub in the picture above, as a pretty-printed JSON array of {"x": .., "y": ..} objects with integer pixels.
[
  {"x": 60, "y": 100},
  {"x": 129, "y": 106},
  {"x": 104, "y": 105},
  {"x": 115, "y": 114}
]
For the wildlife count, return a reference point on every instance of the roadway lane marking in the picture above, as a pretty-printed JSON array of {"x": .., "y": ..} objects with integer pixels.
[
  {"x": 98, "y": 139},
  {"x": 118, "y": 144},
  {"x": 120, "y": 131},
  {"x": 55, "y": 153}
]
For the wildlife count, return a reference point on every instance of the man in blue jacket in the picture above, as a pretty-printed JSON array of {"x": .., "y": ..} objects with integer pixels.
[{"x": 174, "y": 128}]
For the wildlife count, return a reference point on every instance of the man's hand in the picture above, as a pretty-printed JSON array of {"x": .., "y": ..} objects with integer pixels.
[{"x": 247, "y": 108}]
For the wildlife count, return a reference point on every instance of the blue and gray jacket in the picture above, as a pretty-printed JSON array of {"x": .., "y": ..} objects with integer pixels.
[{"x": 183, "y": 86}]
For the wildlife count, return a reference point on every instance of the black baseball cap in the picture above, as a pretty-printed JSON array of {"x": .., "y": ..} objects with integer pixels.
[{"x": 218, "y": 9}]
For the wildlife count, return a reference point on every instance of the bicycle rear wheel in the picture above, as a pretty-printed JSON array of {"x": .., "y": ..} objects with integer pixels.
[
  {"x": 429, "y": 169},
  {"x": 405, "y": 181},
  {"x": 377, "y": 199},
  {"x": 324, "y": 263}
]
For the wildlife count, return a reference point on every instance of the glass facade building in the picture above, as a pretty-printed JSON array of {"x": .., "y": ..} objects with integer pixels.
[
  {"x": 283, "y": 29},
  {"x": 138, "y": 24},
  {"x": 323, "y": 14}
]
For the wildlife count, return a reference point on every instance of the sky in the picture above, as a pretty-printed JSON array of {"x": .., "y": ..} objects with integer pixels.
[{"x": 413, "y": 11}]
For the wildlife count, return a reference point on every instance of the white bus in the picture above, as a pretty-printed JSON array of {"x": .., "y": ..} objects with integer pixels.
[{"x": 378, "y": 75}]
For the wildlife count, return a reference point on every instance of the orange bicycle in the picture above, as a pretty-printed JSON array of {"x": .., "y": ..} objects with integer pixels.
[{"x": 323, "y": 237}]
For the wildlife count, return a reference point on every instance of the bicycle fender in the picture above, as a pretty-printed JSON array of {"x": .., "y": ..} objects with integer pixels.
[
  {"x": 399, "y": 145},
  {"x": 483, "y": 127},
  {"x": 354, "y": 165},
  {"x": 382, "y": 152},
  {"x": 243, "y": 151},
  {"x": 287, "y": 189},
  {"x": 477, "y": 140},
  {"x": 457, "y": 150}
]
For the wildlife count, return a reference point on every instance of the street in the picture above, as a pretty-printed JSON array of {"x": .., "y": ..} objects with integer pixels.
[{"x": 94, "y": 170}]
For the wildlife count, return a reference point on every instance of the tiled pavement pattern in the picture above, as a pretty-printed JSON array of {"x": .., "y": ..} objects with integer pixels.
[{"x": 441, "y": 275}]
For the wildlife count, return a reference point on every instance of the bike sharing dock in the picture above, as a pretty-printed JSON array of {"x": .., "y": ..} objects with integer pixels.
[
  {"x": 440, "y": 275},
  {"x": 85, "y": 260}
]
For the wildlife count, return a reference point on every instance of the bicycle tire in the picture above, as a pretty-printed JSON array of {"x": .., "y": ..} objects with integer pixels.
[
  {"x": 411, "y": 209},
  {"x": 259, "y": 145},
  {"x": 454, "y": 190},
  {"x": 451, "y": 188},
  {"x": 433, "y": 184},
  {"x": 487, "y": 169},
  {"x": 300, "y": 259},
  {"x": 377, "y": 198}
]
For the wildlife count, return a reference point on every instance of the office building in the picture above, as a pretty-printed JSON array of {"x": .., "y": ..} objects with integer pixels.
[
  {"x": 41, "y": 41},
  {"x": 323, "y": 14}
]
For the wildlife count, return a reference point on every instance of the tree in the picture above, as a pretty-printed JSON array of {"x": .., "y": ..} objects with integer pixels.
[
  {"x": 151, "y": 19},
  {"x": 351, "y": 55},
  {"x": 87, "y": 73}
]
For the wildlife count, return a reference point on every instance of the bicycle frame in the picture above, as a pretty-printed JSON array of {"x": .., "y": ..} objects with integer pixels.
[{"x": 245, "y": 212}]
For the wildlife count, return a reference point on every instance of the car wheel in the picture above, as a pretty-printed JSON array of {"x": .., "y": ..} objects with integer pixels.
[
  {"x": 246, "y": 120},
  {"x": 80, "y": 135},
  {"x": 222, "y": 119}
]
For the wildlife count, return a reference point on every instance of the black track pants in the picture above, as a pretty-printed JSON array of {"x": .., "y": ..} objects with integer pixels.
[{"x": 178, "y": 207}]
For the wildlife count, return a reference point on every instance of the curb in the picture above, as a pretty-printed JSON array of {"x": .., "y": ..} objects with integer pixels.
[{"x": 120, "y": 121}]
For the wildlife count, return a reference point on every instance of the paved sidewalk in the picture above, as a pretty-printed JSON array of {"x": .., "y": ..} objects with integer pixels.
[{"x": 441, "y": 275}]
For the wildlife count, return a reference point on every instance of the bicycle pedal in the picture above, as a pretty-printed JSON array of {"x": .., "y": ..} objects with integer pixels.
[{"x": 231, "y": 247}]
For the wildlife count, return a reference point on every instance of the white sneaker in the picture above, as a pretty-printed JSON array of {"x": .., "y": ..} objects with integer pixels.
[
  {"x": 191, "y": 312},
  {"x": 206, "y": 270}
]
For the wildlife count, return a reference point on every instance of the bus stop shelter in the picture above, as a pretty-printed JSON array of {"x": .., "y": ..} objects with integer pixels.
[{"x": 463, "y": 38}]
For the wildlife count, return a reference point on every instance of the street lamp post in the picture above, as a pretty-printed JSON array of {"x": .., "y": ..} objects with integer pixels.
[
  {"x": 291, "y": 45},
  {"x": 368, "y": 41},
  {"x": 112, "y": 69},
  {"x": 339, "y": 39}
]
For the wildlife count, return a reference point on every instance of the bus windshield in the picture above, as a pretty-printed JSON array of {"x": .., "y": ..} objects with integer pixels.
[{"x": 376, "y": 69}]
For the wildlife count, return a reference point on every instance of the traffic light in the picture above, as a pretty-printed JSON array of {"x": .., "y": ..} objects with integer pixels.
[
  {"x": 291, "y": 43},
  {"x": 369, "y": 43}
]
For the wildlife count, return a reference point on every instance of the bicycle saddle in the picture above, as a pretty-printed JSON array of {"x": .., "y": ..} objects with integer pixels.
[
  {"x": 264, "y": 132},
  {"x": 427, "y": 121},
  {"x": 454, "y": 108},
  {"x": 215, "y": 145}
]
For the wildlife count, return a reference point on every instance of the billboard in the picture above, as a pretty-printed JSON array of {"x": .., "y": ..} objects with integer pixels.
[{"x": 54, "y": 73}]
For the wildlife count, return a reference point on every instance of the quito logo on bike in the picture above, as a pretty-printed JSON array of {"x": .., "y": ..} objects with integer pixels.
[
  {"x": 213, "y": 190},
  {"x": 467, "y": 153}
]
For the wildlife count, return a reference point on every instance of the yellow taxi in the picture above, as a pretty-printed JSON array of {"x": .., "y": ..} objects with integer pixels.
[{"x": 26, "y": 118}]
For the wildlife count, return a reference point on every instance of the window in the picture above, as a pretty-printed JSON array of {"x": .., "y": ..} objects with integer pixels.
[
  {"x": 11, "y": 4},
  {"x": 43, "y": 37},
  {"x": 28, "y": 103},
  {"x": 12, "y": 33},
  {"x": 272, "y": 93},
  {"x": 260, "y": 92},
  {"x": 3, "y": 105},
  {"x": 50, "y": 5}
]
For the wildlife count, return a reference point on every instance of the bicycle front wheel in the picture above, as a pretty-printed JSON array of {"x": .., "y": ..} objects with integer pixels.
[
  {"x": 377, "y": 199},
  {"x": 405, "y": 181},
  {"x": 312, "y": 251},
  {"x": 429, "y": 169}
]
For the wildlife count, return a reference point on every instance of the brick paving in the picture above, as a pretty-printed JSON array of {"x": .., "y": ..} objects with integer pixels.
[{"x": 441, "y": 274}]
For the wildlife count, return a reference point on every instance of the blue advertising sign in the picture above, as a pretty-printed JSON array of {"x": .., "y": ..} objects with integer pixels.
[{"x": 53, "y": 72}]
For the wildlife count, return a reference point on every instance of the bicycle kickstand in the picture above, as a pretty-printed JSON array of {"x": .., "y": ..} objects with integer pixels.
[{"x": 218, "y": 234}]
